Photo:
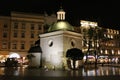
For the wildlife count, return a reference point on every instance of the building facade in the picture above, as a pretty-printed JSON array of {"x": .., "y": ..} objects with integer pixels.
[
  {"x": 4, "y": 37},
  {"x": 19, "y": 31},
  {"x": 110, "y": 46},
  {"x": 107, "y": 46}
]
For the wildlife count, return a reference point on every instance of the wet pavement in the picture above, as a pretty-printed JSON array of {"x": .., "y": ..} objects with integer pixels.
[{"x": 87, "y": 73}]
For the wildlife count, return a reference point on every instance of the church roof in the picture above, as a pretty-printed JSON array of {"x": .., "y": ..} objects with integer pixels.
[
  {"x": 61, "y": 25},
  {"x": 35, "y": 49}
]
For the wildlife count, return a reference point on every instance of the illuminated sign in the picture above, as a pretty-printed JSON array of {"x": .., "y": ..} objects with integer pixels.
[{"x": 88, "y": 23}]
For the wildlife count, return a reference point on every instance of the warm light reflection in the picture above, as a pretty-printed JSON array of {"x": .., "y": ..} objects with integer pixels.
[
  {"x": 89, "y": 70},
  {"x": 102, "y": 71}
]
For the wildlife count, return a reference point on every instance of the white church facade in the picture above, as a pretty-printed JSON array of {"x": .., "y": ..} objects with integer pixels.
[
  {"x": 51, "y": 52},
  {"x": 57, "y": 41}
]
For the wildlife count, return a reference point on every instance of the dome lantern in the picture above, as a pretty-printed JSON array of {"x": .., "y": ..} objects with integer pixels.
[
  {"x": 61, "y": 24},
  {"x": 61, "y": 14}
]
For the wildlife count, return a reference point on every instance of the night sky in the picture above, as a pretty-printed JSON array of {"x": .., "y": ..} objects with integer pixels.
[{"x": 107, "y": 14}]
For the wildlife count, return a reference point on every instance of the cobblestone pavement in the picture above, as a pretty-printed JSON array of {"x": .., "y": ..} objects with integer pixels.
[
  {"x": 21, "y": 73},
  {"x": 116, "y": 77}
]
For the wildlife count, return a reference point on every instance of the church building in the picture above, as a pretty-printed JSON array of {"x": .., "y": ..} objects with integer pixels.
[{"x": 55, "y": 43}]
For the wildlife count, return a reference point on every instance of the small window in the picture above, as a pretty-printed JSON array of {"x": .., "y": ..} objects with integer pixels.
[
  {"x": 4, "y": 45},
  {"x": 50, "y": 43},
  {"x": 32, "y": 26},
  {"x": 15, "y": 25},
  {"x": 23, "y": 25},
  {"x": 15, "y": 34},
  {"x": 23, "y": 34},
  {"x": 39, "y": 27},
  {"x": 5, "y": 35},
  {"x": 73, "y": 43},
  {"x": 5, "y": 26},
  {"x": 14, "y": 46},
  {"x": 22, "y": 45},
  {"x": 32, "y": 35}
]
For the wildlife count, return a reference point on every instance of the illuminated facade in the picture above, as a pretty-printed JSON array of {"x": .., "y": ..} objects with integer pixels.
[
  {"x": 111, "y": 45},
  {"x": 19, "y": 32},
  {"x": 4, "y": 37},
  {"x": 85, "y": 26},
  {"x": 108, "y": 47},
  {"x": 57, "y": 41}
]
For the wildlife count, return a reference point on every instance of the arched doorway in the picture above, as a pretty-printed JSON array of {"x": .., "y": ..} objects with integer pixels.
[{"x": 74, "y": 56}]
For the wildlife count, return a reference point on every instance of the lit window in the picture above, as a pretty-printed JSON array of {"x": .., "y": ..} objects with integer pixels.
[
  {"x": 118, "y": 51},
  {"x": 112, "y": 51},
  {"x": 98, "y": 45},
  {"x": 108, "y": 36},
  {"x": 104, "y": 35},
  {"x": 108, "y": 30},
  {"x": 112, "y": 36},
  {"x": 117, "y": 32},
  {"x": 101, "y": 51},
  {"x": 93, "y": 44},
  {"x": 106, "y": 52},
  {"x": 111, "y": 31}
]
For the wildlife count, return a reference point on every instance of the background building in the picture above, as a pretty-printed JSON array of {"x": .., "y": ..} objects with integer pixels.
[
  {"x": 19, "y": 31},
  {"x": 49, "y": 20},
  {"x": 4, "y": 37},
  {"x": 110, "y": 46},
  {"x": 106, "y": 43}
]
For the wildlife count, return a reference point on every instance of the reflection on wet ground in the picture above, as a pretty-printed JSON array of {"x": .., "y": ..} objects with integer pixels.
[
  {"x": 101, "y": 71},
  {"x": 22, "y": 71}
]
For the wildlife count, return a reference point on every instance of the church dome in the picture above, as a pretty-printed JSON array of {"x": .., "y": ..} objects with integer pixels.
[{"x": 61, "y": 25}]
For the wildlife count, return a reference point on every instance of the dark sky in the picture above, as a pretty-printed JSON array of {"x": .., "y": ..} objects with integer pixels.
[{"x": 107, "y": 14}]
